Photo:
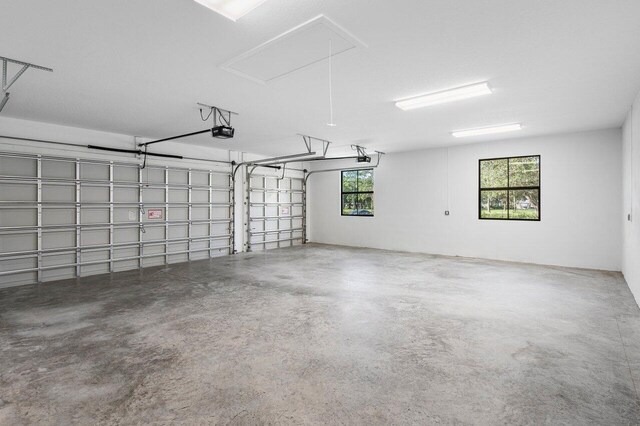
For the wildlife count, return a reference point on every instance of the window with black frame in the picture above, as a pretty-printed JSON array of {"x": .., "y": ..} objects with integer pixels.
[
  {"x": 510, "y": 188},
  {"x": 357, "y": 192}
]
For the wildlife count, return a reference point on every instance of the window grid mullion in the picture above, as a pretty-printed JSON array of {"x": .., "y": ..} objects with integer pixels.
[
  {"x": 504, "y": 188},
  {"x": 508, "y": 186},
  {"x": 357, "y": 191}
]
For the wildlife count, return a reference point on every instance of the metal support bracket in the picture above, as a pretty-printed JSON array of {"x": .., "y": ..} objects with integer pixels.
[
  {"x": 8, "y": 82},
  {"x": 308, "y": 141},
  {"x": 360, "y": 149},
  {"x": 219, "y": 115}
]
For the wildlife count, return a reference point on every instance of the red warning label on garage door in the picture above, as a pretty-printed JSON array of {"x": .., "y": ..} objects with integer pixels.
[{"x": 154, "y": 214}]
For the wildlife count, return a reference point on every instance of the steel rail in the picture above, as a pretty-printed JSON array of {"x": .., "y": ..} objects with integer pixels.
[
  {"x": 104, "y": 247},
  {"x": 99, "y": 262},
  {"x": 259, "y": 243},
  {"x": 99, "y": 183},
  {"x": 280, "y": 231}
]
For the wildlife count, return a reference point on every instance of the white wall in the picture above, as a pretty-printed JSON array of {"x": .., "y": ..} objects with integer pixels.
[
  {"x": 580, "y": 201},
  {"x": 631, "y": 200}
]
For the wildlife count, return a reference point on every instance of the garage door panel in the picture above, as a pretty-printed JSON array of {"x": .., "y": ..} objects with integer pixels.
[{"x": 116, "y": 215}]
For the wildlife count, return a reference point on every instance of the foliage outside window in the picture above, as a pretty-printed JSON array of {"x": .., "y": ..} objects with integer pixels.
[
  {"x": 510, "y": 188},
  {"x": 357, "y": 192}
]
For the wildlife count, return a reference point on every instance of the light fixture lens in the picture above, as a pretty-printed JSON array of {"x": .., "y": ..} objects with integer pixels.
[
  {"x": 231, "y": 9},
  {"x": 444, "y": 96},
  {"x": 487, "y": 130}
]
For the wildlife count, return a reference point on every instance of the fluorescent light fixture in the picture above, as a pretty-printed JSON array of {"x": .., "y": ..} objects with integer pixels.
[
  {"x": 231, "y": 9},
  {"x": 487, "y": 130},
  {"x": 444, "y": 96}
]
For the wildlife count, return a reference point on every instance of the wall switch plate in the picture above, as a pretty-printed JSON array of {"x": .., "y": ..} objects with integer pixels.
[{"x": 446, "y": 212}]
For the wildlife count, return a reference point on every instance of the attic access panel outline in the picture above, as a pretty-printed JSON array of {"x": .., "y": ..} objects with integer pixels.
[{"x": 293, "y": 50}]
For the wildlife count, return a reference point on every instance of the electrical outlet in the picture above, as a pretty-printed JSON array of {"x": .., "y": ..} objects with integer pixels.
[
  {"x": 132, "y": 215},
  {"x": 446, "y": 212}
]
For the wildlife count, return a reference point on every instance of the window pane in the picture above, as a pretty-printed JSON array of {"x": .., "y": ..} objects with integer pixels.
[
  {"x": 354, "y": 201},
  {"x": 365, "y": 204},
  {"x": 524, "y": 171},
  {"x": 493, "y": 173},
  {"x": 524, "y": 204},
  {"x": 493, "y": 204},
  {"x": 349, "y": 181},
  {"x": 349, "y": 204},
  {"x": 365, "y": 180}
]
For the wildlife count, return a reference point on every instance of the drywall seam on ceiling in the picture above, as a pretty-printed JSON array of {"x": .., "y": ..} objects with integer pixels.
[{"x": 263, "y": 49}]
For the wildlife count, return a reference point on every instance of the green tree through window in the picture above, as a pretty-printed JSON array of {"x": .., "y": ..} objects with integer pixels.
[
  {"x": 357, "y": 192},
  {"x": 510, "y": 188}
]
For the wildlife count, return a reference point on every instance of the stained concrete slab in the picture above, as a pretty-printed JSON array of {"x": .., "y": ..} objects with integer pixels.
[{"x": 323, "y": 335}]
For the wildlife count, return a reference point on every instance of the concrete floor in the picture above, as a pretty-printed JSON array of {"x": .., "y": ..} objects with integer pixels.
[{"x": 323, "y": 334}]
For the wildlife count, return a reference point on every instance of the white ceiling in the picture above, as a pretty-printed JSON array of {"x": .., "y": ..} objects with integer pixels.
[
  {"x": 139, "y": 67},
  {"x": 305, "y": 45}
]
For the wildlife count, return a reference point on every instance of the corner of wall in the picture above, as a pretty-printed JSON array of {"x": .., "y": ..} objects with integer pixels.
[{"x": 631, "y": 200}]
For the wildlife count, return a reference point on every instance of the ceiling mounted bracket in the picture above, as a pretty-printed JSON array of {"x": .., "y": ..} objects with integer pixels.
[
  {"x": 7, "y": 83},
  {"x": 308, "y": 142},
  {"x": 363, "y": 157},
  {"x": 220, "y": 116}
]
